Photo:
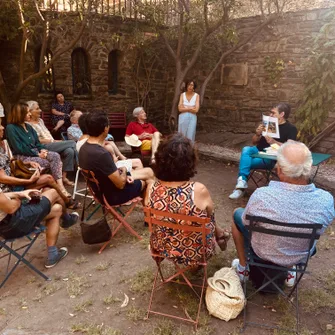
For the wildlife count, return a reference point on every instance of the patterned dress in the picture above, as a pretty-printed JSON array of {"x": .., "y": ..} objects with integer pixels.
[
  {"x": 184, "y": 248},
  {"x": 66, "y": 108}
]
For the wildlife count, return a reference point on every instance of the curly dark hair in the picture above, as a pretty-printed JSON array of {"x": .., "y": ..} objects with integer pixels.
[{"x": 176, "y": 159}]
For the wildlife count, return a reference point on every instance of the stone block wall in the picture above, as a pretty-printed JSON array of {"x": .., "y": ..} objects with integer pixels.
[
  {"x": 239, "y": 108},
  {"x": 98, "y": 42},
  {"x": 225, "y": 107}
]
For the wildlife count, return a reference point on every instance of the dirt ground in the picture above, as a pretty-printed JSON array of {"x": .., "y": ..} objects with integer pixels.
[{"x": 87, "y": 289}]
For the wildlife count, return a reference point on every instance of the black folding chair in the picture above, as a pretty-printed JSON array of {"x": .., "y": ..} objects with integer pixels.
[
  {"x": 305, "y": 231},
  {"x": 20, "y": 253}
]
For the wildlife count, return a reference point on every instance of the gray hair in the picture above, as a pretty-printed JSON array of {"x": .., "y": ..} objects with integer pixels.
[
  {"x": 31, "y": 103},
  {"x": 75, "y": 115},
  {"x": 137, "y": 111},
  {"x": 295, "y": 160}
]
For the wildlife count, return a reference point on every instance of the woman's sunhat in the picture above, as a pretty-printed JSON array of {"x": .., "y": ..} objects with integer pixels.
[{"x": 133, "y": 141}]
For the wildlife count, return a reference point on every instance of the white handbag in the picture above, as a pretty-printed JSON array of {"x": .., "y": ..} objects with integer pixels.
[{"x": 224, "y": 295}]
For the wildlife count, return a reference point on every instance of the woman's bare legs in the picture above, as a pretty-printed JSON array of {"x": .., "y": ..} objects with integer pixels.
[
  {"x": 58, "y": 125},
  {"x": 117, "y": 152}
]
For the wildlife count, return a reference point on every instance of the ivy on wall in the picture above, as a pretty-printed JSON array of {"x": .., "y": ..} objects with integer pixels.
[
  {"x": 319, "y": 92},
  {"x": 274, "y": 67}
]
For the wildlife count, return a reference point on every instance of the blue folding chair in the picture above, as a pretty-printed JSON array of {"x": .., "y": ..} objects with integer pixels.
[{"x": 8, "y": 244}]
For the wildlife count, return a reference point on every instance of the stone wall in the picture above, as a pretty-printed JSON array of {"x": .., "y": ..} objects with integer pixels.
[
  {"x": 239, "y": 108},
  {"x": 225, "y": 108},
  {"x": 98, "y": 42}
]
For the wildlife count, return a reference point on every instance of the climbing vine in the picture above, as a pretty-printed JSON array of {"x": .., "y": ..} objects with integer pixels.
[
  {"x": 318, "y": 97},
  {"x": 273, "y": 67}
]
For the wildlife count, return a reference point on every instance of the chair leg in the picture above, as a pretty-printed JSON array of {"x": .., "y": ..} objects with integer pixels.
[
  {"x": 153, "y": 291},
  {"x": 75, "y": 184},
  {"x": 23, "y": 260}
]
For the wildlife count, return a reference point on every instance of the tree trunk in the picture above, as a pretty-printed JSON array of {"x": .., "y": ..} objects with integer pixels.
[{"x": 173, "y": 120}]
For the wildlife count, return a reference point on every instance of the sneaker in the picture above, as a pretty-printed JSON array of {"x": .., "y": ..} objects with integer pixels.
[
  {"x": 291, "y": 277},
  {"x": 237, "y": 194},
  {"x": 62, "y": 252},
  {"x": 69, "y": 220},
  {"x": 241, "y": 183},
  {"x": 243, "y": 275}
]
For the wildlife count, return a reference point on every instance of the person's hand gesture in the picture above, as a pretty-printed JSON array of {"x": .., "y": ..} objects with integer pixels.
[
  {"x": 34, "y": 165},
  {"x": 270, "y": 140},
  {"x": 260, "y": 129},
  {"x": 35, "y": 176},
  {"x": 43, "y": 153},
  {"x": 130, "y": 180},
  {"x": 26, "y": 194}
]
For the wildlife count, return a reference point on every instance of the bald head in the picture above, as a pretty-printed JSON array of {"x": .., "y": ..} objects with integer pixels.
[{"x": 295, "y": 160}]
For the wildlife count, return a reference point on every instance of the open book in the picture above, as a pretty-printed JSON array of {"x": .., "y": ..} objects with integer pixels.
[{"x": 271, "y": 126}]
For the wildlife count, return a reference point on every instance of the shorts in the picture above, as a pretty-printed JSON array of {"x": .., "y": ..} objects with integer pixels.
[
  {"x": 146, "y": 145},
  {"x": 25, "y": 219},
  {"x": 130, "y": 191}
]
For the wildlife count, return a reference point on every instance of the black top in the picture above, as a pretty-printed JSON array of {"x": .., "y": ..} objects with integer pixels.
[
  {"x": 287, "y": 132},
  {"x": 97, "y": 159}
]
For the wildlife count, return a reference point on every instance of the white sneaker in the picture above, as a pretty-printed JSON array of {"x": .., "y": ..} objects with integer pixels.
[
  {"x": 241, "y": 183},
  {"x": 291, "y": 278},
  {"x": 243, "y": 275},
  {"x": 236, "y": 194}
]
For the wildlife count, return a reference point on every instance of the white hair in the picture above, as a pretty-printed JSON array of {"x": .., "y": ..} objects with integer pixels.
[
  {"x": 75, "y": 115},
  {"x": 295, "y": 160},
  {"x": 137, "y": 111},
  {"x": 31, "y": 103}
]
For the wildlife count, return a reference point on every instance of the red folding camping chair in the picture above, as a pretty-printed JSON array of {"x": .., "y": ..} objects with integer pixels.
[
  {"x": 187, "y": 225},
  {"x": 118, "y": 214}
]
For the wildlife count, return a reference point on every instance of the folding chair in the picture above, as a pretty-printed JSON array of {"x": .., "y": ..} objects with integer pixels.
[
  {"x": 8, "y": 244},
  {"x": 118, "y": 214},
  {"x": 308, "y": 232},
  {"x": 262, "y": 176},
  {"x": 64, "y": 136},
  {"x": 192, "y": 224}
]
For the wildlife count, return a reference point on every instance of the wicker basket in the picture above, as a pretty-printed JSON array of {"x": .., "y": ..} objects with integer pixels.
[{"x": 224, "y": 296}]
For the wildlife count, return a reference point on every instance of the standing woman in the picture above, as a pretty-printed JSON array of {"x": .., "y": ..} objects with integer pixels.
[
  {"x": 188, "y": 108},
  {"x": 25, "y": 145},
  {"x": 60, "y": 110}
]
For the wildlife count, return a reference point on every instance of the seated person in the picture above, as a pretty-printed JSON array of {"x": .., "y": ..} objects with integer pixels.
[
  {"x": 174, "y": 191},
  {"x": 74, "y": 132},
  {"x": 287, "y": 131},
  {"x": 60, "y": 113},
  {"x": 119, "y": 159},
  {"x": 115, "y": 184},
  {"x": 67, "y": 149},
  {"x": 25, "y": 145},
  {"x": 9, "y": 182},
  {"x": 145, "y": 131},
  {"x": 283, "y": 201},
  {"x": 18, "y": 219}
]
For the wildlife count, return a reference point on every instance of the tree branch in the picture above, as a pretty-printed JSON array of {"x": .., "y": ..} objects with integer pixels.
[
  {"x": 168, "y": 46},
  {"x": 57, "y": 55},
  {"x": 229, "y": 52}
]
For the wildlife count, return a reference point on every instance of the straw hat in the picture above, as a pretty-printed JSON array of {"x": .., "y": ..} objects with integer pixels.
[
  {"x": 133, "y": 141},
  {"x": 224, "y": 296}
]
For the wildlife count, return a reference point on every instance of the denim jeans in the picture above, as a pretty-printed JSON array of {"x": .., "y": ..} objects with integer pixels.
[{"x": 248, "y": 163}]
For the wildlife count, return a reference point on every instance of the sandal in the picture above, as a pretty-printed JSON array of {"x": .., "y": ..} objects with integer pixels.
[
  {"x": 68, "y": 182},
  {"x": 73, "y": 204}
]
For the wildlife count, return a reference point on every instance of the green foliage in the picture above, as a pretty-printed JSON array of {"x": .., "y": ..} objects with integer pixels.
[
  {"x": 9, "y": 19},
  {"x": 318, "y": 96},
  {"x": 273, "y": 67}
]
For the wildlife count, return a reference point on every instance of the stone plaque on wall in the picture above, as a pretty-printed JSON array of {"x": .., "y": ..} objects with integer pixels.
[{"x": 234, "y": 74}]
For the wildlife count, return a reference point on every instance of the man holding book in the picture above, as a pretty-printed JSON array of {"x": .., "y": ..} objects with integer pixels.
[{"x": 287, "y": 131}]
